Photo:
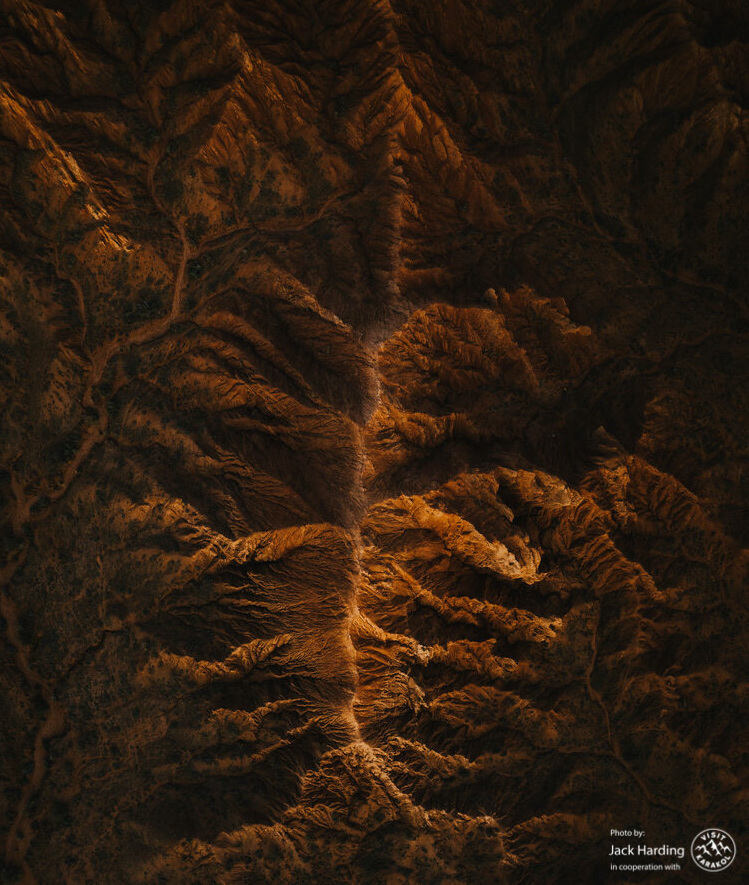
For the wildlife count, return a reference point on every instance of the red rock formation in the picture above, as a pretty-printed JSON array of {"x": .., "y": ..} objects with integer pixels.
[{"x": 373, "y": 422}]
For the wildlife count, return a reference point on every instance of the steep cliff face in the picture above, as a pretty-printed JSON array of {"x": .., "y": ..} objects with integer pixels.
[{"x": 373, "y": 385}]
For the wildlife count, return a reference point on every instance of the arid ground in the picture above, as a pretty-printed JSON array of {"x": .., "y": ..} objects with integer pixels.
[{"x": 373, "y": 439}]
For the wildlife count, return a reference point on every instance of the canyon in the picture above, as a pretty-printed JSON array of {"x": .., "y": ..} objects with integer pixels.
[{"x": 373, "y": 421}]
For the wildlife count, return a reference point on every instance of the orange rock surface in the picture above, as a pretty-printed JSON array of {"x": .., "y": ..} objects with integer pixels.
[{"x": 373, "y": 420}]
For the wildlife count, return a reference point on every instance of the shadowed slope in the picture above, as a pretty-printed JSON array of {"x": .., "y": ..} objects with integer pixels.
[{"x": 372, "y": 437}]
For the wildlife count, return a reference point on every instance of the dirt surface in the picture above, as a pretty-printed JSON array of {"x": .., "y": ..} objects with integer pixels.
[{"x": 373, "y": 424}]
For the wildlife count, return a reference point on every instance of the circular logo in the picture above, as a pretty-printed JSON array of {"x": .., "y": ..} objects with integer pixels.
[{"x": 713, "y": 850}]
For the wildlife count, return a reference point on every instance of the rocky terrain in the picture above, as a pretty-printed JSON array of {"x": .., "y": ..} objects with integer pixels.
[{"x": 373, "y": 430}]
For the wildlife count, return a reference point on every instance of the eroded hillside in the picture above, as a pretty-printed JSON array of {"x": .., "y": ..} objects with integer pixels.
[{"x": 372, "y": 432}]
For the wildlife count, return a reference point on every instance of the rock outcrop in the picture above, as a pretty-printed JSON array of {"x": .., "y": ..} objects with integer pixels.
[{"x": 373, "y": 425}]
